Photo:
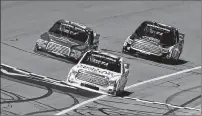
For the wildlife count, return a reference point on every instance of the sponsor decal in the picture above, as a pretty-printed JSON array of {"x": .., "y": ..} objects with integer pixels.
[
  {"x": 64, "y": 39},
  {"x": 96, "y": 70},
  {"x": 158, "y": 27}
]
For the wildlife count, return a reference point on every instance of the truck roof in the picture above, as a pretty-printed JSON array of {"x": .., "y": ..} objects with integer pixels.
[
  {"x": 75, "y": 24},
  {"x": 160, "y": 25}
]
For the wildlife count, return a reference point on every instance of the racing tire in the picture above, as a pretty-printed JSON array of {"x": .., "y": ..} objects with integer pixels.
[
  {"x": 96, "y": 48},
  {"x": 174, "y": 60},
  {"x": 117, "y": 92},
  {"x": 36, "y": 48},
  {"x": 124, "y": 50}
]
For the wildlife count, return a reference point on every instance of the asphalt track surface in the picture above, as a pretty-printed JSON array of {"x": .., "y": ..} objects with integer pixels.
[{"x": 23, "y": 22}]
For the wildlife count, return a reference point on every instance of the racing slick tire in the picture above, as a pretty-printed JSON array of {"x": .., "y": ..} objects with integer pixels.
[
  {"x": 174, "y": 57},
  {"x": 36, "y": 48},
  {"x": 124, "y": 50},
  {"x": 118, "y": 91},
  {"x": 96, "y": 48}
]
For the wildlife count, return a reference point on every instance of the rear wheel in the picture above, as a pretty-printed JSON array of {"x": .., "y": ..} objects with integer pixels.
[
  {"x": 174, "y": 56},
  {"x": 125, "y": 50}
]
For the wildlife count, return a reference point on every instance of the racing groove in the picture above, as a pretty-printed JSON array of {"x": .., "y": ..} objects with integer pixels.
[{"x": 23, "y": 22}]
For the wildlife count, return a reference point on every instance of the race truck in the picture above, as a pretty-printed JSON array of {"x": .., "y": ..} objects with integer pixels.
[
  {"x": 151, "y": 38},
  {"x": 68, "y": 40},
  {"x": 100, "y": 71}
]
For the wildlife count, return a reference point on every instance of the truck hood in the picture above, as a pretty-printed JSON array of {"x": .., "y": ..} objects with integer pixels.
[
  {"x": 65, "y": 41},
  {"x": 97, "y": 71}
]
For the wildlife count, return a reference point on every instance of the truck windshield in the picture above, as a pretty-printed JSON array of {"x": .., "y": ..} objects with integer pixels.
[
  {"x": 69, "y": 31},
  {"x": 102, "y": 61}
]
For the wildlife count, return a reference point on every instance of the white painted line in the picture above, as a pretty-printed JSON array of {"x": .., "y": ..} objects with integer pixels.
[
  {"x": 163, "y": 77},
  {"x": 128, "y": 87},
  {"x": 7, "y": 66},
  {"x": 14, "y": 69},
  {"x": 198, "y": 107},
  {"x": 10, "y": 73},
  {"x": 165, "y": 104},
  {"x": 198, "y": 112}
]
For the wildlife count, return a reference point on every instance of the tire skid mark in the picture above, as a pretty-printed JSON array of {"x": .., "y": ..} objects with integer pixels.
[
  {"x": 169, "y": 99},
  {"x": 137, "y": 104},
  {"x": 188, "y": 102},
  {"x": 19, "y": 99},
  {"x": 133, "y": 104},
  {"x": 5, "y": 112},
  {"x": 34, "y": 100},
  {"x": 30, "y": 78},
  {"x": 49, "y": 92},
  {"x": 45, "y": 111},
  {"x": 138, "y": 111},
  {"x": 105, "y": 109},
  {"x": 12, "y": 97}
]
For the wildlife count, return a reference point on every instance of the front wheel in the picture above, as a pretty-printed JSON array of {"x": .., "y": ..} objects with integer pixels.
[
  {"x": 96, "y": 48},
  {"x": 173, "y": 56},
  {"x": 36, "y": 48},
  {"x": 117, "y": 91},
  {"x": 124, "y": 50}
]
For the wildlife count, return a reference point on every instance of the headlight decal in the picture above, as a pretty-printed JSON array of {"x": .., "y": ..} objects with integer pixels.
[
  {"x": 75, "y": 53},
  {"x": 41, "y": 42}
]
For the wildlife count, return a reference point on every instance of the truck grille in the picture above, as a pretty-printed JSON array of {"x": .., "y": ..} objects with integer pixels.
[
  {"x": 57, "y": 48},
  {"x": 146, "y": 46},
  {"x": 92, "y": 78}
]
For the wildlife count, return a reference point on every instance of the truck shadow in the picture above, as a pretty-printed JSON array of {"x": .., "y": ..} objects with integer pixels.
[
  {"x": 168, "y": 62},
  {"x": 125, "y": 94},
  {"x": 144, "y": 57}
]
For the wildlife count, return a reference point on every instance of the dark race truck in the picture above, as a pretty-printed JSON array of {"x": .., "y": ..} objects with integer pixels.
[
  {"x": 155, "y": 39},
  {"x": 68, "y": 40}
]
